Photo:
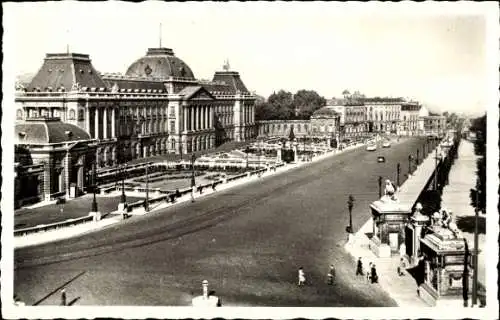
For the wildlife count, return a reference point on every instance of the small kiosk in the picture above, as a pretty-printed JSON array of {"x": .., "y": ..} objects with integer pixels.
[{"x": 389, "y": 220}]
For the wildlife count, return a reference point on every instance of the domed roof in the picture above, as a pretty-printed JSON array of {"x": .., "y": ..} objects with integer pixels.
[
  {"x": 42, "y": 131},
  {"x": 325, "y": 112},
  {"x": 160, "y": 63}
]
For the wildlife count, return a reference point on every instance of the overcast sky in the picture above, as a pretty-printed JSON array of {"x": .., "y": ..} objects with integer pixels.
[{"x": 438, "y": 57}]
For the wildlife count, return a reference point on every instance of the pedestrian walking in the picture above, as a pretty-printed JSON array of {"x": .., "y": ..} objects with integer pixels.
[
  {"x": 177, "y": 193},
  {"x": 302, "y": 277},
  {"x": 63, "y": 297},
  {"x": 213, "y": 186},
  {"x": 401, "y": 267},
  {"x": 368, "y": 272},
  {"x": 374, "y": 276},
  {"x": 331, "y": 275},
  {"x": 359, "y": 268}
]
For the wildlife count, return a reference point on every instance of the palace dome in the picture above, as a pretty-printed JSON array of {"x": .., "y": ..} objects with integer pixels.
[{"x": 160, "y": 63}]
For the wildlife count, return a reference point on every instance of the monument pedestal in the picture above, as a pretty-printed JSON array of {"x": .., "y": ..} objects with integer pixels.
[
  {"x": 389, "y": 220},
  {"x": 448, "y": 272},
  {"x": 122, "y": 207},
  {"x": 95, "y": 215}
]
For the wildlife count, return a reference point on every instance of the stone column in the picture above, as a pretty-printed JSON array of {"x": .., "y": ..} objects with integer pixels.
[
  {"x": 87, "y": 118},
  {"x": 418, "y": 220},
  {"x": 204, "y": 117},
  {"x": 113, "y": 122},
  {"x": 105, "y": 122},
  {"x": 210, "y": 117},
  {"x": 184, "y": 113},
  {"x": 96, "y": 123},
  {"x": 191, "y": 118},
  {"x": 47, "y": 181},
  {"x": 67, "y": 173}
]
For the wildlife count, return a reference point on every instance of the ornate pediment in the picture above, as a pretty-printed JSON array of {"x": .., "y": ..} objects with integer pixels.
[{"x": 196, "y": 93}]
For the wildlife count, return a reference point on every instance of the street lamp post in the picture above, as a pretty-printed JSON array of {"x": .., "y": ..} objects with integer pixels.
[
  {"x": 380, "y": 187},
  {"x": 193, "y": 182},
  {"x": 124, "y": 197},
  {"x": 409, "y": 164},
  {"x": 247, "y": 151},
  {"x": 94, "y": 188},
  {"x": 398, "y": 170},
  {"x": 146, "y": 202},
  {"x": 418, "y": 151},
  {"x": 436, "y": 171},
  {"x": 350, "y": 204}
]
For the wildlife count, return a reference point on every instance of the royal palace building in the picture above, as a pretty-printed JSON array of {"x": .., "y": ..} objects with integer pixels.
[{"x": 71, "y": 116}]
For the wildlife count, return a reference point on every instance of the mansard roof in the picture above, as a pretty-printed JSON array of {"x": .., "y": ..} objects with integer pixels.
[
  {"x": 64, "y": 70},
  {"x": 232, "y": 79},
  {"x": 47, "y": 130}
]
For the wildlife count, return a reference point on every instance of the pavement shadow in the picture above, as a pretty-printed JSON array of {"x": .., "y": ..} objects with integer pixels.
[
  {"x": 72, "y": 302},
  {"x": 416, "y": 273},
  {"x": 467, "y": 224}
]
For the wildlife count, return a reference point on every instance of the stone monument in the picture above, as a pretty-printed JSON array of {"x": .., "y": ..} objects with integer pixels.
[
  {"x": 389, "y": 220},
  {"x": 448, "y": 264}
]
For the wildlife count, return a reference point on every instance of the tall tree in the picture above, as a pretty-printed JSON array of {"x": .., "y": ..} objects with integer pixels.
[
  {"x": 478, "y": 125},
  {"x": 282, "y": 105},
  {"x": 306, "y": 102}
]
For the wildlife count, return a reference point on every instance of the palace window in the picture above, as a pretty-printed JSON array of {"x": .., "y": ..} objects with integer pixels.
[
  {"x": 80, "y": 115},
  {"x": 56, "y": 113},
  {"x": 71, "y": 115},
  {"x": 19, "y": 114},
  {"x": 172, "y": 126}
]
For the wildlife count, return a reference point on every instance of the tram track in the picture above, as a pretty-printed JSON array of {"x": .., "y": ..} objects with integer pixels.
[{"x": 156, "y": 234}]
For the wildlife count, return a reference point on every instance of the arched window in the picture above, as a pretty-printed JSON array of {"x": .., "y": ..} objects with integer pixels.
[
  {"x": 71, "y": 115},
  {"x": 19, "y": 114}
]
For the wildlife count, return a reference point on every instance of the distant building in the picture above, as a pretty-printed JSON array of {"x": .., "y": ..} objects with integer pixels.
[
  {"x": 352, "y": 116},
  {"x": 409, "y": 121},
  {"x": 281, "y": 128},
  {"x": 434, "y": 125},
  {"x": 383, "y": 114},
  {"x": 325, "y": 124}
]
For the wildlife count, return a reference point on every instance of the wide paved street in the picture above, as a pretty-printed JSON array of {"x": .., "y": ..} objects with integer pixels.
[{"x": 248, "y": 242}]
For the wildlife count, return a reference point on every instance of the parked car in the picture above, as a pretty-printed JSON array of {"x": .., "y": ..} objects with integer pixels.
[
  {"x": 386, "y": 144},
  {"x": 371, "y": 147}
]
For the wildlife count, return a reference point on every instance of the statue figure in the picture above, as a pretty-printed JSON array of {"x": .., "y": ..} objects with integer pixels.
[
  {"x": 75, "y": 86},
  {"x": 452, "y": 225},
  {"x": 445, "y": 219},
  {"x": 115, "y": 88},
  {"x": 390, "y": 189},
  {"x": 436, "y": 218}
]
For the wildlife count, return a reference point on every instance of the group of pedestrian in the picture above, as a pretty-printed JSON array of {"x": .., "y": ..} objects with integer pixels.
[
  {"x": 371, "y": 272},
  {"x": 330, "y": 276}
]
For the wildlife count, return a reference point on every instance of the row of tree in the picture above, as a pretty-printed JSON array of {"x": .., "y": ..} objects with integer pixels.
[
  {"x": 284, "y": 105},
  {"x": 478, "y": 125}
]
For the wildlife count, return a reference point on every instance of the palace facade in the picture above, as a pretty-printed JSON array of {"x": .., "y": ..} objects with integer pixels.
[{"x": 157, "y": 107}]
